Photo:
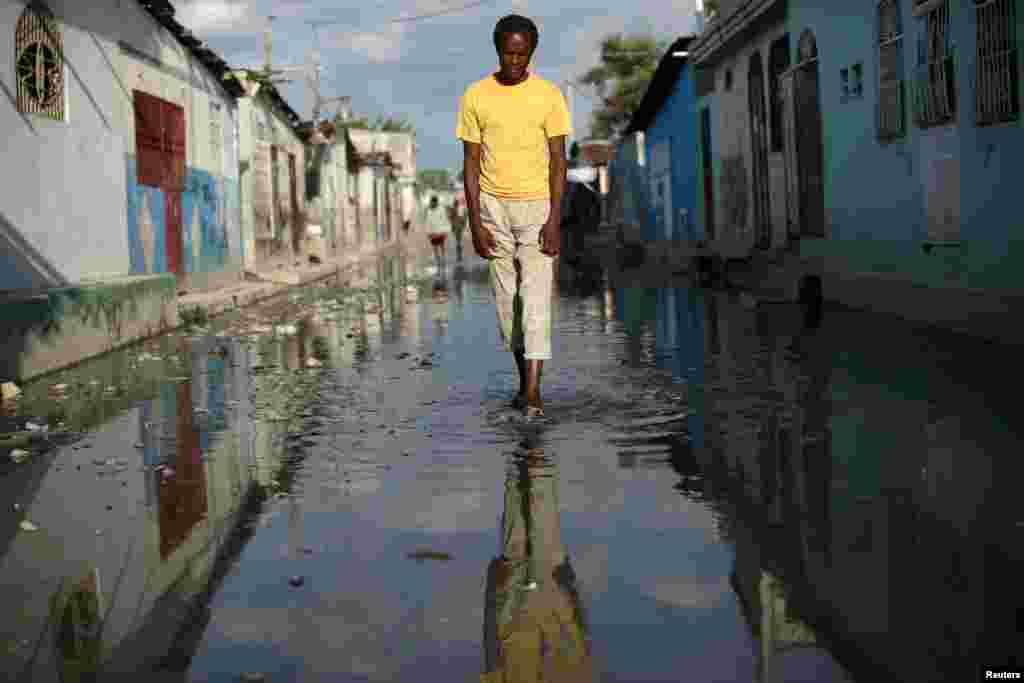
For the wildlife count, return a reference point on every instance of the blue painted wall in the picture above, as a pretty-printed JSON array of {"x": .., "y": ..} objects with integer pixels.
[
  {"x": 675, "y": 122},
  {"x": 629, "y": 183},
  {"x": 876, "y": 191},
  {"x": 206, "y": 197}
]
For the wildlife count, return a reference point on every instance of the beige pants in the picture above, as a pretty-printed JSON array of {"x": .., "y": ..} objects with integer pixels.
[{"x": 523, "y": 298}]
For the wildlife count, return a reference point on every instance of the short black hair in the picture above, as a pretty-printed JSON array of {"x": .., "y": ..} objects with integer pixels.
[{"x": 515, "y": 23}]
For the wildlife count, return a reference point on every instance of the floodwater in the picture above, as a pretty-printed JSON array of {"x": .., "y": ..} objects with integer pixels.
[{"x": 333, "y": 487}]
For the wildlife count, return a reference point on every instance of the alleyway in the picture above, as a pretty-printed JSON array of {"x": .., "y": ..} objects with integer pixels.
[{"x": 333, "y": 487}]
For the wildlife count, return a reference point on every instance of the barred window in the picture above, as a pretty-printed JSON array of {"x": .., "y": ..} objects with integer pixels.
[
  {"x": 39, "y": 63},
  {"x": 891, "y": 118},
  {"x": 935, "y": 86},
  {"x": 997, "y": 90}
]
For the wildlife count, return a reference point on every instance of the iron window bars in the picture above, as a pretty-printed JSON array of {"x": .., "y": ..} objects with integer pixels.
[
  {"x": 935, "y": 77},
  {"x": 891, "y": 89},
  {"x": 997, "y": 89}
]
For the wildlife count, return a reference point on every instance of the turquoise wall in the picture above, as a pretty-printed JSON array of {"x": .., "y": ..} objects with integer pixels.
[
  {"x": 876, "y": 191},
  {"x": 214, "y": 199}
]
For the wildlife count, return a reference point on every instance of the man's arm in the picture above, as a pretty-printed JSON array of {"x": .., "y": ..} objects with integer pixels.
[
  {"x": 550, "y": 237},
  {"x": 483, "y": 241}
]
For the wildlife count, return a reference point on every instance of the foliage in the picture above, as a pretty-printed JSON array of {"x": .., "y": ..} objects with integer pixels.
[
  {"x": 386, "y": 124},
  {"x": 194, "y": 316},
  {"x": 621, "y": 79},
  {"x": 434, "y": 179},
  {"x": 710, "y": 8}
]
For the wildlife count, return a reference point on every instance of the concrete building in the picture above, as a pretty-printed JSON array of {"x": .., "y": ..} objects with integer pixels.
[
  {"x": 272, "y": 176},
  {"x": 667, "y": 117},
  {"x": 386, "y": 178},
  {"x": 878, "y": 166}
]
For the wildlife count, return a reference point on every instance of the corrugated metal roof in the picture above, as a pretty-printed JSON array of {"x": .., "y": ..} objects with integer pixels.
[{"x": 664, "y": 80}]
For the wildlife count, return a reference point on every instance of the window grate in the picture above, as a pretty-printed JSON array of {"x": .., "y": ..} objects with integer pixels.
[
  {"x": 935, "y": 91},
  {"x": 39, "y": 63},
  {"x": 997, "y": 90},
  {"x": 891, "y": 106}
]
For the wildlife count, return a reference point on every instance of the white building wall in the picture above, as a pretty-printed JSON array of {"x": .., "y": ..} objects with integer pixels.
[{"x": 62, "y": 202}]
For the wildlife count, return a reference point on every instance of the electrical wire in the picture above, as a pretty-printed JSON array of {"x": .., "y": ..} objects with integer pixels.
[{"x": 401, "y": 20}]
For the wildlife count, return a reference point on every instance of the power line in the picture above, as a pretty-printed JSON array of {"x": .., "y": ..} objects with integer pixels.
[{"x": 401, "y": 20}]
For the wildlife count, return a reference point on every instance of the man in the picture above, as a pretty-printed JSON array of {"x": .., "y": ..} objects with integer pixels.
[
  {"x": 458, "y": 220},
  {"x": 513, "y": 126},
  {"x": 438, "y": 227}
]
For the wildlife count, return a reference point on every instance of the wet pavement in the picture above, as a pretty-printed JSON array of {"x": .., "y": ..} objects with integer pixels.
[{"x": 333, "y": 487}]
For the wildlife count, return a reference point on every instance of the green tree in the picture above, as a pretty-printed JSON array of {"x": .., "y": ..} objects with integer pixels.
[
  {"x": 436, "y": 179},
  {"x": 381, "y": 123},
  {"x": 710, "y": 8},
  {"x": 621, "y": 79}
]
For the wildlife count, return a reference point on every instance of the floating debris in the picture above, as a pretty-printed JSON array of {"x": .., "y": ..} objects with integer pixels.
[
  {"x": 26, "y": 525},
  {"x": 313, "y": 363},
  {"x": 296, "y": 581},
  {"x": 429, "y": 555},
  {"x": 19, "y": 455},
  {"x": 9, "y": 391}
]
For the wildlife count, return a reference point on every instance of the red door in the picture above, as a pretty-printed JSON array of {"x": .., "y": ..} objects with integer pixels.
[
  {"x": 172, "y": 215},
  {"x": 160, "y": 157}
]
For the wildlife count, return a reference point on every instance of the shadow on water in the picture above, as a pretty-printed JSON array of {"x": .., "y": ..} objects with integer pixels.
[{"x": 144, "y": 474}]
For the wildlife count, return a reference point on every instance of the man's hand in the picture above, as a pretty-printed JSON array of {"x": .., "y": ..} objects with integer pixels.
[
  {"x": 483, "y": 241},
  {"x": 550, "y": 236}
]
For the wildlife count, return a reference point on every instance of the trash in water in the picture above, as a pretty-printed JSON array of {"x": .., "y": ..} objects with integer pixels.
[
  {"x": 428, "y": 555},
  {"x": 296, "y": 581},
  {"x": 28, "y": 526},
  {"x": 19, "y": 455}
]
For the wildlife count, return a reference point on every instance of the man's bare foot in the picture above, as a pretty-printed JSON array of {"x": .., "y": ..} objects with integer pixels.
[{"x": 535, "y": 408}]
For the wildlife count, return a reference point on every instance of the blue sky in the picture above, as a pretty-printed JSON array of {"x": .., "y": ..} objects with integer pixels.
[{"x": 418, "y": 69}]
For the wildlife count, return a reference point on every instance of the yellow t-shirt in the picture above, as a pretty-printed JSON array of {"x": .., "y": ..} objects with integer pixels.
[{"x": 512, "y": 124}]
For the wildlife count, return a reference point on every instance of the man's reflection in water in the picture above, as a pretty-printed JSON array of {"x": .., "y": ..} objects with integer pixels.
[{"x": 534, "y": 623}]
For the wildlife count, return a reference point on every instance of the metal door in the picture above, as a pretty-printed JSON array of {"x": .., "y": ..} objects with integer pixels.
[
  {"x": 173, "y": 231},
  {"x": 792, "y": 173},
  {"x": 759, "y": 153}
]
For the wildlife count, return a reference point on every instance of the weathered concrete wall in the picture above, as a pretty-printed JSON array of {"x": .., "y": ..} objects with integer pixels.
[
  {"x": 64, "y": 326},
  {"x": 60, "y": 219},
  {"x": 734, "y": 208}
]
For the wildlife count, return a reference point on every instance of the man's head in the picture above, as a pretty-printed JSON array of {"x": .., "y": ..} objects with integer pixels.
[{"x": 515, "y": 39}]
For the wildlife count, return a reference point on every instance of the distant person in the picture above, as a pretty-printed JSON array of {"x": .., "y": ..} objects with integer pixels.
[
  {"x": 438, "y": 228},
  {"x": 513, "y": 126},
  {"x": 457, "y": 216}
]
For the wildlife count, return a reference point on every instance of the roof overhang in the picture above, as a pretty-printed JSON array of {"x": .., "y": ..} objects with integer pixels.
[{"x": 723, "y": 34}]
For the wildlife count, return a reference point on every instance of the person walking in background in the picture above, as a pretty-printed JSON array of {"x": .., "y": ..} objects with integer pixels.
[
  {"x": 513, "y": 126},
  {"x": 438, "y": 228},
  {"x": 457, "y": 216}
]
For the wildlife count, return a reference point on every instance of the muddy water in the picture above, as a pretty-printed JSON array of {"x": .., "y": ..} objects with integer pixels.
[{"x": 333, "y": 487}]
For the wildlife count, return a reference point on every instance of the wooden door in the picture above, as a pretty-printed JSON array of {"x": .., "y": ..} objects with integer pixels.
[
  {"x": 759, "y": 153},
  {"x": 789, "y": 154},
  {"x": 173, "y": 231},
  {"x": 810, "y": 147}
]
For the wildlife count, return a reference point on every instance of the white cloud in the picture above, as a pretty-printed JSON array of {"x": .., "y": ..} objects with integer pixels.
[
  {"x": 207, "y": 17},
  {"x": 384, "y": 45}
]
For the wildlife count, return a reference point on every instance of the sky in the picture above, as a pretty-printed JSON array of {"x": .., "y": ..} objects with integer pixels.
[{"x": 418, "y": 69}]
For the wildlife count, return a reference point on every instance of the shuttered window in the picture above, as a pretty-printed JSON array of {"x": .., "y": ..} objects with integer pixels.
[
  {"x": 891, "y": 117},
  {"x": 997, "y": 90},
  {"x": 935, "y": 78},
  {"x": 149, "y": 141},
  {"x": 159, "y": 142}
]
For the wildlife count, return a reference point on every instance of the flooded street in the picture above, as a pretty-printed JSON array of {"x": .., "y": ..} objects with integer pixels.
[{"x": 334, "y": 487}]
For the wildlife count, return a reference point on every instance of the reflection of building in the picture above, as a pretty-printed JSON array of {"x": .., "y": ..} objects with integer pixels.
[{"x": 532, "y": 601}]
